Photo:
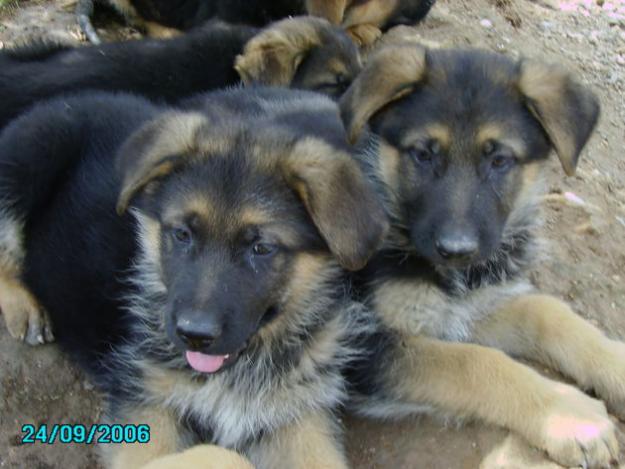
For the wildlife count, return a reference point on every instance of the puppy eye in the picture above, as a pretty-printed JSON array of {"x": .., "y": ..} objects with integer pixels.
[
  {"x": 501, "y": 162},
  {"x": 421, "y": 156},
  {"x": 263, "y": 249},
  {"x": 182, "y": 235}
]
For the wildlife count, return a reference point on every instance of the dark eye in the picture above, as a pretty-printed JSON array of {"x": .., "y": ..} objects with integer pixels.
[
  {"x": 424, "y": 154},
  {"x": 502, "y": 161},
  {"x": 421, "y": 156},
  {"x": 182, "y": 235},
  {"x": 263, "y": 249}
]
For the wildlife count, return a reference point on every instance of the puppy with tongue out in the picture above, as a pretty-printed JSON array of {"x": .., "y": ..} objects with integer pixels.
[
  {"x": 226, "y": 260},
  {"x": 199, "y": 331}
]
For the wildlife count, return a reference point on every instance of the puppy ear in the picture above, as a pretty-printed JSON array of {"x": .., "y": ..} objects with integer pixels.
[
  {"x": 340, "y": 200},
  {"x": 155, "y": 150},
  {"x": 332, "y": 10},
  {"x": 566, "y": 110},
  {"x": 272, "y": 56},
  {"x": 390, "y": 74}
]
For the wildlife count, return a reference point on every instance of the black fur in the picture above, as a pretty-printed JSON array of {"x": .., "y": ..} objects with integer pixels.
[
  {"x": 164, "y": 70},
  {"x": 105, "y": 290}
]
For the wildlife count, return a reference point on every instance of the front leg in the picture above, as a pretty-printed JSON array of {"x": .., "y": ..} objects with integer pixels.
[
  {"x": 313, "y": 442},
  {"x": 166, "y": 437},
  {"x": 469, "y": 380},
  {"x": 545, "y": 329},
  {"x": 201, "y": 457}
]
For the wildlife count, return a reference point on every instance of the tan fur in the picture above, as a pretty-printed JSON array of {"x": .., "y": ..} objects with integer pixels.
[
  {"x": 475, "y": 381},
  {"x": 202, "y": 457},
  {"x": 195, "y": 204},
  {"x": 338, "y": 199},
  {"x": 332, "y": 10},
  {"x": 364, "y": 35},
  {"x": 543, "y": 328},
  {"x": 515, "y": 453},
  {"x": 494, "y": 131},
  {"x": 307, "y": 444},
  {"x": 164, "y": 440},
  {"x": 436, "y": 131},
  {"x": 159, "y": 31},
  {"x": 389, "y": 75},
  {"x": 151, "y": 152},
  {"x": 25, "y": 318},
  {"x": 548, "y": 90},
  {"x": 307, "y": 272},
  {"x": 390, "y": 164},
  {"x": 151, "y": 28},
  {"x": 374, "y": 12},
  {"x": 272, "y": 56}
]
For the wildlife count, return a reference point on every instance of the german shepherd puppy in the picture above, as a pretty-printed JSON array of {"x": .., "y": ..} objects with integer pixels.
[
  {"x": 206, "y": 247},
  {"x": 166, "y": 18},
  {"x": 465, "y": 136},
  {"x": 302, "y": 52}
]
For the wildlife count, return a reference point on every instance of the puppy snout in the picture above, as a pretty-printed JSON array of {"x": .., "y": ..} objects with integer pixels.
[
  {"x": 457, "y": 246},
  {"x": 197, "y": 329}
]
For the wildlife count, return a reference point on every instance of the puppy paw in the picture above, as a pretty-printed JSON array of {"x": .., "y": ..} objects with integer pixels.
[
  {"x": 201, "y": 457},
  {"x": 26, "y": 320},
  {"x": 364, "y": 34},
  {"x": 610, "y": 385},
  {"x": 576, "y": 431}
]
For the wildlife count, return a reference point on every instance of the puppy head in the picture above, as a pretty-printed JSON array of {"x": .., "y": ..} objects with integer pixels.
[
  {"x": 466, "y": 134},
  {"x": 305, "y": 53},
  {"x": 234, "y": 219}
]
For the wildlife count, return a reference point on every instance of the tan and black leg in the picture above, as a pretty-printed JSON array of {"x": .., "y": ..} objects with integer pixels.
[
  {"x": 470, "y": 380},
  {"x": 26, "y": 320},
  {"x": 312, "y": 442},
  {"x": 165, "y": 439},
  {"x": 201, "y": 457},
  {"x": 545, "y": 329}
]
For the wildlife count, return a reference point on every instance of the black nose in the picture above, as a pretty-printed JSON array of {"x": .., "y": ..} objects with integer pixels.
[
  {"x": 197, "y": 329},
  {"x": 457, "y": 246}
]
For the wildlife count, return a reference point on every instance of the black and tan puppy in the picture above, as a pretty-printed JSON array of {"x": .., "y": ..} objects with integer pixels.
[
  {"x": 165, "y": 18},
  {"x": 465, "y": 136},
  {"x": 192, "y": 260},
  {"x": 302, "y": 52}
]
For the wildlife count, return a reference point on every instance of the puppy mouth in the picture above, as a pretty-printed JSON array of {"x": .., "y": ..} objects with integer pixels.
[
  {"x": 205, "y": 363},
  {"x": 209, "y": 363}
]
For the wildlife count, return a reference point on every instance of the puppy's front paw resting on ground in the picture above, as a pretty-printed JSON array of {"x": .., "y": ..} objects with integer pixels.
[
  {"x": 576, "y": 431},
  {"x": 26, "y": 320}
]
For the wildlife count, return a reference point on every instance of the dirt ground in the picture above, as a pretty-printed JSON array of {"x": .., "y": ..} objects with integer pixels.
[{"x": 585, "y": 226}]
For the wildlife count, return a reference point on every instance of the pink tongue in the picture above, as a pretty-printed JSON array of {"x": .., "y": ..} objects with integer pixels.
[{"x": 205, "y": 363}]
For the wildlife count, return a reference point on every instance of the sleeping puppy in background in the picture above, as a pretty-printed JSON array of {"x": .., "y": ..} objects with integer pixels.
[
  {"x": 165, "y": 18},
  {"x": 191, "y": 262},
  {"x": 465, "y": 137},
  {"x": 300, "y": 52}
]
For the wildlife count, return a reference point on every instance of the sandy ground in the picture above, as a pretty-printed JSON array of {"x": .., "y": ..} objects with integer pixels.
[{"x": 586, "y": 266}]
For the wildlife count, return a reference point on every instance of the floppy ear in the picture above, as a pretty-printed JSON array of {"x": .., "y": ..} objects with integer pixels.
[
  {"x": 340, "y": 200},
  {"x": 566, "y": 110},
  {"x": 155, "y": 150},
  {"x": 390, "y": 74},
  {"x": 273, "y": 55}
]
